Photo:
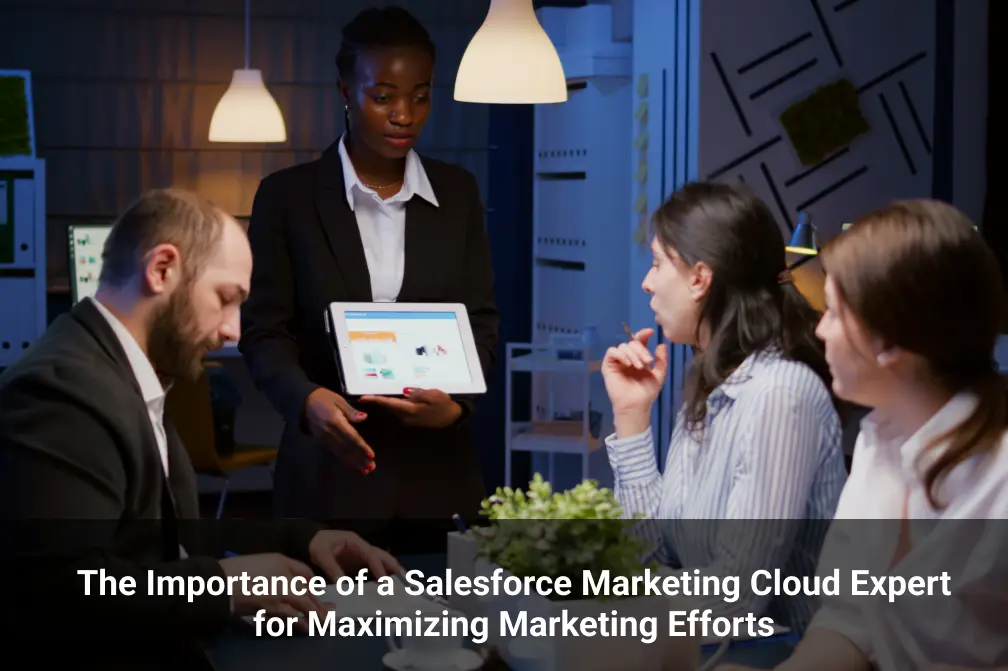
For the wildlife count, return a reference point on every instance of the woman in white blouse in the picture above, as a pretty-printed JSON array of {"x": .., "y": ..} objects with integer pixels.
[
  {"x": 755, "y": 465},
  {"x": 915, "y": 303}
]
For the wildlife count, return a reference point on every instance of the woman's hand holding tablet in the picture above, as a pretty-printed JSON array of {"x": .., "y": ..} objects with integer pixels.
[
  {"x": 427, "y": 408},
  {"x": 383, "y": 348}
]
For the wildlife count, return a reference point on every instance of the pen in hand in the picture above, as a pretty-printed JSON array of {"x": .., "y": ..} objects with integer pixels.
[
  {"x": 627, "y": 330},
  {"x": 647, "y": 356}
]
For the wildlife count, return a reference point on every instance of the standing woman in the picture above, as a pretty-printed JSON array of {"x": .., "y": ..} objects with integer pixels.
[{"x": 370, "y": 220}]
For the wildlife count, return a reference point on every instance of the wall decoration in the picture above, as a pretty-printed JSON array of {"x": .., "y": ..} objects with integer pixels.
[
  {"x": 17, "y": 128},
  {"x": 642, "y": 85},
  {"x": 824, "y": 122},
  {"x": 641, "y": 145}
]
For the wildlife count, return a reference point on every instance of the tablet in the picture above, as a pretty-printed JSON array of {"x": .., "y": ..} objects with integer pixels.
[{"x": 383, "y": 348}]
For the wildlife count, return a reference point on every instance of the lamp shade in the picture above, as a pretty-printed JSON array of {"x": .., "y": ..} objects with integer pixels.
[
  {"x": 247, "y": 112},
  {"x": 511, "y": 60},
  {"x": 803, "y": 240}
]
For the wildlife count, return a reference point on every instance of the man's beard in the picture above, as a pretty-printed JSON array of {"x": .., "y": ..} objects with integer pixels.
[{"x": 173, "y": 343}]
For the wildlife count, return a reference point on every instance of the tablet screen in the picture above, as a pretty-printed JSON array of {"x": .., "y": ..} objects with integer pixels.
[{"x": 412, "y": 349}]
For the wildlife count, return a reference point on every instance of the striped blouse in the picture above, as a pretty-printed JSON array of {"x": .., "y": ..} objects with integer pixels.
[{"x": 770, "y": 450}]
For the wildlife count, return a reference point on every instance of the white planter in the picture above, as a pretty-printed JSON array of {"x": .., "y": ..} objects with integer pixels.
[{"x": 595, "y": 653}]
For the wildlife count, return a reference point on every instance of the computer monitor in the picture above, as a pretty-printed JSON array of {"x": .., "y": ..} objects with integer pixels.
[{"x": 86, "y": 242}]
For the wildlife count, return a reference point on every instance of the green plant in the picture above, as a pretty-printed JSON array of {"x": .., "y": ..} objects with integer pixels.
[
  {"x": 553, "y": 534},
  {"x": 15, "y": 137}
]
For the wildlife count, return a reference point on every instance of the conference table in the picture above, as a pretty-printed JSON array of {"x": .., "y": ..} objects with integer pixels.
[{"x": 239, "y": 649}]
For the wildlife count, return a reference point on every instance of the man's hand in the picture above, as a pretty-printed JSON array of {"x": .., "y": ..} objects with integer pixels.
[
  {"x": 269, "y": 566},
  {"x": 330, "y": 420},
  {"x": 427, "y": 408},
  {"x": 336, "y": 552}
]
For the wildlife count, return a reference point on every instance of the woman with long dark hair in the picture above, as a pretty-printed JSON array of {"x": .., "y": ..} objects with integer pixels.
[{"x": 755, "y": 460}]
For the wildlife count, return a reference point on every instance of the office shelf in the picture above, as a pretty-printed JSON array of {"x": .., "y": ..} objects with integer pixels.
[
  {"x": 561, "y": 436},
  {"x": 22, "y": 255},
  {"x": 581, "y": 240},
  {"x": 531, "y": 363},
  {"x": 566, "y": 360}
]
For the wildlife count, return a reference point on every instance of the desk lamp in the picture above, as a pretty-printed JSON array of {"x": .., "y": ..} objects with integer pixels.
[
  {"x": 809, "y": 281},
  {"x": 803, "y": 241}
]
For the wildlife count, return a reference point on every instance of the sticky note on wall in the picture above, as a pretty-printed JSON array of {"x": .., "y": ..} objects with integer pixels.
[
  {"x": 641, "y": 113},
  {"x": 640, "y": 204}
]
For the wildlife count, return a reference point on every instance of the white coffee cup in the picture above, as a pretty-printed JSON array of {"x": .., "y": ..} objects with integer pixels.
[{"x": 430, "y": 653}]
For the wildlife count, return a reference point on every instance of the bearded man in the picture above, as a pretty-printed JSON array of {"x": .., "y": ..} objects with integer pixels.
[{"x": 93, "y": 477}]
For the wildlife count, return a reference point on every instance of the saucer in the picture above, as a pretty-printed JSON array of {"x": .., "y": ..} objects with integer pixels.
[{"x": 465, "y": 660}]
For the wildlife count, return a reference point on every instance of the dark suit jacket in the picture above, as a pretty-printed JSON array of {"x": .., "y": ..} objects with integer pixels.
[
  {"x": 308, "y": 253},
  {"x": 82, "y": 487}
]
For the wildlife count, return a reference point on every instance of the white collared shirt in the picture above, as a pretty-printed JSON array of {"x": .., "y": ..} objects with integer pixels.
[
  {"x": 771, "y": 451},
  {"x": 967, "y": 539},
  {"x": 382, "y": 223},
  {"x": 150, "y": 385}
]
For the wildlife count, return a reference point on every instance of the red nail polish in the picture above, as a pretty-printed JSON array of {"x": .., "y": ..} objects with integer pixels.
[
  {"x": 361, "y": 415},
  {"x": 407, "y": 391}
]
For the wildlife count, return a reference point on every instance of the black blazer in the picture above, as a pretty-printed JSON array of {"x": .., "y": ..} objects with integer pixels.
[
  {"x": 82, "y": 486},
  {"x": 308, "y": 253}
]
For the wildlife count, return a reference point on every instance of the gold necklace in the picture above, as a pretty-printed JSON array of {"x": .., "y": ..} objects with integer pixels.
[{"x": 376, "y": 187}]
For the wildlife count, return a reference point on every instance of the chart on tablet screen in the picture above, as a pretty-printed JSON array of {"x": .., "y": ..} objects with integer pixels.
[{"x": 416, "y": 348}]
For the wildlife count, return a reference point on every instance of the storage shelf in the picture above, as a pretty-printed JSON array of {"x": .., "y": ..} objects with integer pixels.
[
  {"x": 557, "y": 437},
  {"x": 23, "y": 294},
  {"x": 581, "y": 251},
  {"x": 587, "y": 66},
  {"x": 532, "y": 363}
]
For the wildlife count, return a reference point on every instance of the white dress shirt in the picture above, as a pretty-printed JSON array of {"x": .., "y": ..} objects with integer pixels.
[
  {"x": 150, "y": 385},
  {"x": 382, "y": 223},
  {"x": 770, "y": 453},
  {"x": 967, "y": 539}
]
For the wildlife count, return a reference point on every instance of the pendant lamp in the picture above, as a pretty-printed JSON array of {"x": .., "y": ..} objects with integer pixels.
[
  {"x": 511, "y": 60},
  {"x": 247, "y": 112}
]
